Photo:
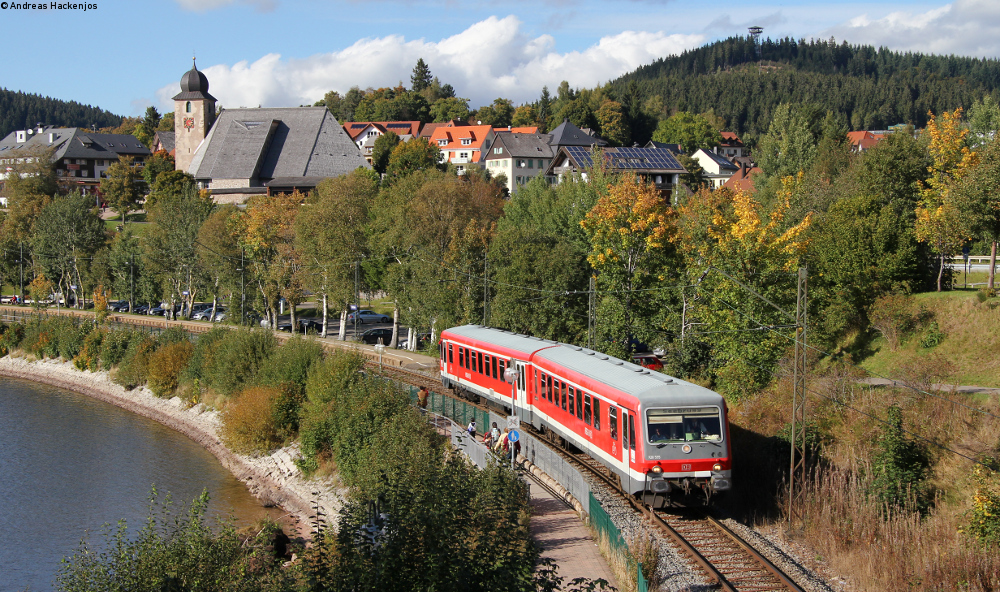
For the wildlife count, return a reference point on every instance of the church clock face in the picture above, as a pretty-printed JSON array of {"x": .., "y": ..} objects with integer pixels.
[{"x": 189, "y": 123}]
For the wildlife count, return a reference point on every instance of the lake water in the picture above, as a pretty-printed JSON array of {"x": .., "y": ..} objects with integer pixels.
[{"x": 70, "y": 464}]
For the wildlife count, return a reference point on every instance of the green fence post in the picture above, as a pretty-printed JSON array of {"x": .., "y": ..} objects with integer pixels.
[{"x": 640, "y": 581}]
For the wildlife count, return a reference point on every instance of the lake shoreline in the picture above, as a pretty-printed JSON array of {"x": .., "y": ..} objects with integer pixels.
[{"x": 273, "y": 479}]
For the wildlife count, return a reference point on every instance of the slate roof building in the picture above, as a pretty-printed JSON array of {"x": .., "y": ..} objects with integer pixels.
[
  {"x": 717, "y": 168},
  {"x": 521, "y": 157},
  {"x": 163, "y": 141},
  {"x": 248, "y": 151},
  {"x": 653, "y": 165},
  {"x": 567, "y": 134},
  {"x": 80, "y": 156}
]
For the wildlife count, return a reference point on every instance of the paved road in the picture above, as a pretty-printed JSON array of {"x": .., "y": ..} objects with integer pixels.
[{"x": 955, "y": 388}]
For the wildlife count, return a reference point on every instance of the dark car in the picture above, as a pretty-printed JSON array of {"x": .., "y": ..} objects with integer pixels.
[
  {"x": 367, "y": 316},
  {"x": 373, "y": 336}
]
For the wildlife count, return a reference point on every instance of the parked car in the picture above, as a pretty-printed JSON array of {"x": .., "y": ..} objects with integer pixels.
[
  {"x": 367, "y": 316},
  {"x": 373, "y": 336},
  {"x": 219, "y": 316},
  {"x": 141, "y": 309},
  {"x": 648, "y": 361},
  {"x": 205, "y": 315},
  {"x": 423, "y": 340}
]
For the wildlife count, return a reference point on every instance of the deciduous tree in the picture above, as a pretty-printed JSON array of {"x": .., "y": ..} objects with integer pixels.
[
  {"x": 689, "y": 130},
  {"x": 939, "y": 221},
  {"x": 384, "y": 145},
  {"x": 121, "y": 186}
]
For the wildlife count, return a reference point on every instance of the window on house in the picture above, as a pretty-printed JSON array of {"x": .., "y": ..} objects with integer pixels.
[
  {"x": 498, "y": 150},
  {"x": 466, "y": 141},
  {"x": 464, "y": 154},
  {"x": 187, "y": 107},
  {"x": 531, "y": 163},
  {"x": 442, "y": 142}
]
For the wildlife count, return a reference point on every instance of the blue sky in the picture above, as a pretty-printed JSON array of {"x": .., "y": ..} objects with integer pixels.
[{"x": 125, "y": 55}]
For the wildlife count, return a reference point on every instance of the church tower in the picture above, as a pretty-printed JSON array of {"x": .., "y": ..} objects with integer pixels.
[{"x": 194, "y": 112}]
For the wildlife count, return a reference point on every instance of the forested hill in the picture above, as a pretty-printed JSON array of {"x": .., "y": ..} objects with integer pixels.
[
  {"x": 19, "y": 110},
  {"x": 872, "y": 88}
]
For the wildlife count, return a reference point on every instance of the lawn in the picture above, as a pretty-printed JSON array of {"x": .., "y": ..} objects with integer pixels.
[{"x": 971, "y": 337}]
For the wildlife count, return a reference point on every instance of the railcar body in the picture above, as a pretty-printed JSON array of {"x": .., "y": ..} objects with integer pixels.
[{"x": 659, "y": 434}]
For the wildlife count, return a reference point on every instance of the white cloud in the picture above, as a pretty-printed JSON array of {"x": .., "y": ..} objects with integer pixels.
[
  {"x": 492, "y": 58},
  {"x": 964, "y": 27}
]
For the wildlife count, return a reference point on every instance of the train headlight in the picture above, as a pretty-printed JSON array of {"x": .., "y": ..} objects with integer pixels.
[
  {"x": 717, "y": 467},
  {"x": 656, "y": 470},
  {"x": 686, "y": 449}
]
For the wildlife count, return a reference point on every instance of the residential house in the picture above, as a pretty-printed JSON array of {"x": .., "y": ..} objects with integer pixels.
[
  {"x": 163, "y": 141},
  {"x": 864, "y": 140},
  {"x": 461, "y": 145},
  {"x": 675, "y": 148},
  {"x": 717, "y": 168},
  {"x": 566, "y": 134},
  {"x": 81, "y": 157},
  {"x": 364, "y": 133},
  {"x": 742, "y": 179},
  {"x": 653, "y": 165},
  {"x": 519, "y": 156},
  {"x": 428, "y": 129},
  {"x": 731, "y": 146}
]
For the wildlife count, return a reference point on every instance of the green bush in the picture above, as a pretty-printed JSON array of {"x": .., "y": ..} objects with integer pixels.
[
  {"x": 70, "y": 335},
  {"x": 290, "y": 363},
  {"x": 237, "y": 357},
  {"x": 133, "y": 369},
  {"x": 900, "y": 467},
  {"x": 204, "y": 353},
  {"x": 165, "y": 366},
  {"x": 115, "y": 346},
  {"x": 177, "y": 552},
  {"x": 984, "y": 516},
  {"x": 327, "y": 378},
  {"x": 10, "y": 337},
  {"x": 89, "y": 357},
  {"x": 933, "y": 337}
]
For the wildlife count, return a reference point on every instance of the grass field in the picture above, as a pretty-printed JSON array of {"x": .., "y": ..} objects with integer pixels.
[{"x": 971, "y": 336}]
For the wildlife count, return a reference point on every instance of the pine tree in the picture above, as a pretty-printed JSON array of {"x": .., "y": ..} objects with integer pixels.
[{"x": 421, "y": 77}]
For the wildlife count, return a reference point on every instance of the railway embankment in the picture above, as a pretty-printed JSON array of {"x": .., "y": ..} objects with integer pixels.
[{"x": 273, "y": 479}]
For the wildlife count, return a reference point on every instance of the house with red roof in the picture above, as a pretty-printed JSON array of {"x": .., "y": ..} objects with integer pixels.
[
  {"x": 364, "y": 133},
  {"x": 461, "y": 145},
  {"x": 731, "y": 146},
  {"x": 864, "y": 140},
  {"x": 742, "y": 180}
]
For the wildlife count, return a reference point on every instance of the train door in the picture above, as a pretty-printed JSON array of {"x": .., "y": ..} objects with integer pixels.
[{"x": 521, "y": 391}]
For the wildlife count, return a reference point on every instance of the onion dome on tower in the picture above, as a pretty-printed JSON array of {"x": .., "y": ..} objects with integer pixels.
[{"x": 194, "y": 85}]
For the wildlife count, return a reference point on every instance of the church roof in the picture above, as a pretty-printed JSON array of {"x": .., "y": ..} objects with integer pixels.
[
  {"x": 269, "y": 143},
  {"x": 194, "y": 85}
]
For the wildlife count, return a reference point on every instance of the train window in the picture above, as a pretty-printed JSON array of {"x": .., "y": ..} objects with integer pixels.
[
  {"x": 475, "y": 360},
  {"x": 631, "y": 432},
  {"x": 572, "y": 391},
  {"x": 498, "y": 376},
  {"x": 479, "y": 358},
  {"x": 613, "y": 421},
  {"x": 520, "y": 377},
  {"x": 683, "y": 425},
  {"x": 486, "y": 365},
  {"x": 586, "y": 409},
  {"x": 597, "y": 413},
  {"x": 461, "y": 357},
  {"x": 563, "y": 389},
  {"x": 579, "y": 405},
  {"x": 451, "y": 354},
  {"x": 502, "y": 367}
]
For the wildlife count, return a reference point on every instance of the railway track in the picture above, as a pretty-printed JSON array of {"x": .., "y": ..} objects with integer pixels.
[{"x": 727, "y": 560}]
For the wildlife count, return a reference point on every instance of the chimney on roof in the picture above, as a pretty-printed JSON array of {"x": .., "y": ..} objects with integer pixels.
[
  {"x": 52, "y": 137},
  {"x": 635, "y": 144},
  {"x": 39, "y": 126}
]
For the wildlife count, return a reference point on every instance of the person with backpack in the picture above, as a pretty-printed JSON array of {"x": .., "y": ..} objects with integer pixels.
[{"x": 472, "y": 429}]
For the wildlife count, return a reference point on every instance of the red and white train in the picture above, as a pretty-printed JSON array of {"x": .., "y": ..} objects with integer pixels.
[{"x": 659, "y": 434}]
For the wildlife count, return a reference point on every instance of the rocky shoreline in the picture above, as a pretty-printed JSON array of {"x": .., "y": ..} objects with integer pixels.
[{"x": 273, "y": 479}]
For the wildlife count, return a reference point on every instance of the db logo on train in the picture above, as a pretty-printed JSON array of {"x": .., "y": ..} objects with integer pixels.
[{"x": 685, "y": 467}]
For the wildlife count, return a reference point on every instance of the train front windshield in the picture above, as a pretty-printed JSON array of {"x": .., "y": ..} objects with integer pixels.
[{"x": 664, "y": 426}]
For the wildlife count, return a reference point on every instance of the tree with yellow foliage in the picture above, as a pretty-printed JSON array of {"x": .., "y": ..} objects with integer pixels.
[
  {"x": 630, "y": 230},
  {"x": 939, "y": 221},
  {"x": 758, "y": 246}
]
